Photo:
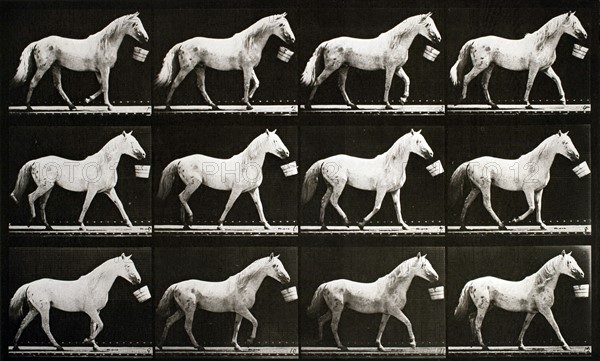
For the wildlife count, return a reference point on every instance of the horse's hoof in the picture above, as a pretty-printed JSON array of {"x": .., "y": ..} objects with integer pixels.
[
  {"x": 29, "y": 108},
  {"x": 543, "y": 227},
  {"x": 528, "y": 106},
  {"x": 343, "y": 348},
  {"x": 324, "y": 228},
  {"x": 403, "y": 100},
  {"x": 250, "y": 341},
  {"x": 16, "y": 348},
  {"x": 413, "y": 344},
  {"x": 405, "y": 227},
  {"x": 502, "y": 227},
  {"x": 267, "y": 226},
  {"x": 361, "y": 225},
  {"x": 566, "y": 347},
  {"x": 381, "y": 348},
  {"x": 167, "y": 107},
  {"x": 72, "y": 107},
  {"x": 87, "y": 100},
  {"x": 49, "y": 228},
  {"x": 110, "y": 108},
  {"x": 494, "y": 107},
  {"x": 463, "y": 228},
  {"x": 159, "y": 347},
  {"x": 522, "y": 348},
  {"x": 389, "y": 107},
  {"x": 220, "y": 227},
  {"x": 249, "y": 107},
  {"x": 485, "y": 348},
  {"x": 59, "y": 348},
  {"x": 200, "y": 348},
  {"x": 186, "y": 227},
  {"x": 353, "y": 106},
  {"x": 215, "y": 107}
]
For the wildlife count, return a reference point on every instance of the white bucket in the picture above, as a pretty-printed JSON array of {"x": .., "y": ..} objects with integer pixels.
[
  {"x": 436, "y": 293},
  {"x": 435, "y": 168},
  {"x": 579, "y": 51},
  {"x": 284, "y": 54},
  {"x": 582, "y": 290},
  {"x": 142, "y": 171},
  {"x": 290, "y": 294},
  {"x": 582, "y": 170},
  {"x": 290, "y": 169},
  {"x": 140, "y": 54},
  {"x": 143, "y": 294},
  {"x": 430, "y": 53}
]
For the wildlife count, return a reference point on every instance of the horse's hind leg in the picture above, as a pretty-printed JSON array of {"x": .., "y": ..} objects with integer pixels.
[
  {"x": 178, "y": 315},
  {"x": 376, "y": 207},
  {"x": 335, "y": 321},
  {"x": 550, "y": 72},
  {"x": 39, "y": 192},
  {"x": 200, "y": 83},
  {"x": 26, "y": 321},
  {"x": 184, "y": 196},
  {"x": 342, "y": 76},
  {"x": 485, "y": 81},
  {"x": 44, "y": 309},
  {"x": 528, "y": 319},
  {"x": 468, "y": 201},
  {"x": 382, "y": 324},
  {"x": 324, "y": 202},
  {"x": 183, "y": 72},
  {"x": 470, "y": 76},
  {"x": 43, "y": 201},
  {"x": 487, "y": 203},
  {"x": 530, "y": 79},
  {"x": 320, "y": 79},
  {"x": 189, "y": 321},
  {"x": 547, "y": 312},
  {"x": 322, "y": 321},
  {"x": 482, "y": 308},
  {"x": 335, "y": 196},
  {"x": 39, "y": 73},
  {"x": 57, "y": 78},
  {"x": 255, "y": 194}
]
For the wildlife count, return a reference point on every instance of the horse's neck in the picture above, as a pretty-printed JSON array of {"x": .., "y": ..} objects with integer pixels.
[
  {"x": 109, "y": 155},
  {"x": 109, "y": 38},
  {"x": 401, "y": 277},
  {"x": 550, "y": 37},
  {"x": 257, "y": 35},
  {"x": 542, "y": 155},
  {"x": 398, "y": 154},
  {"x": 251, "y": 277},
  {"x": 547, "y": 276},
  {"x": 253, "y": 153},
  {"x": 101, "y": 279},
  {"x": 402, "y": 35}
]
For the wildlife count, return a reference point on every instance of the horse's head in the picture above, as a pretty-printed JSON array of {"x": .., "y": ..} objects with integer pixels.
[
  {"x": 126, "y": 269},
  {"x": 428, "y": 29},
  {"x": 573, "y": 26},
  {"x": 424, "y": 269},
  {"x": 568, "y": 266},
  {"x": 565, "y": 146},
  {"x": 281, "y": 28},
  {"x": 135, "y": 28},
  {"x": 275, "y": 146},
  {"x": 275, "y": 269},
  {"x": 419, "y": 146},
  {"x": 131, "y": 147}
]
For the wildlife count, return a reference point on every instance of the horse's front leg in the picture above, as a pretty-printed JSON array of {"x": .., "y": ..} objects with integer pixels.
[
  {"x": 397, "y": 313},
  {"x": 378, "y": 200},
  {"x": 247, "y": 78},
  {"x": 538, "y": 208},
  {"x": 89, "y": 196},
  {"x": 236, "y": 329},
  {"x": 389, "y": 75},
  {"x": 255, "y": 194},
  {"x": 233, "y": 196},
  {"x": 402, "y": 75},
  {"x": 550, "y": 72},
  {"x": 112, "y": 194},
  {"x": 94, "y": 319},
  {"x": 247, "y": 315},
  {"x": 104, "y": 74},
  {"x": 530, "y": 79},
  {"x": 96, "y": 94},
  {"x": 255, "y": 84},
  {"x": 90, "y": 341},
  {"x": 547, "y": 312},
  {"x": 382, "y": 324},
  {"x": 529, "y": 195},
  {"x": 396, "y": 200}
]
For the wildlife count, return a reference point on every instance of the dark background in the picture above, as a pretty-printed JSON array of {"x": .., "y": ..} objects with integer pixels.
[
  {"x": 324, "y": 264},
  {"x": 422, "y": 197},
  {"x": 366, "y": 87},
  {"x": 277, "y": 319},
  {"x": 566, "y": 198},
  {"x": 126, "y": 322},
  {"x": 502, "y": 328},
  {"x": 130, "y": 80},
  {"x": 277, "y": 192},
  {"x": 278, "y": 81},
  {"x": 513, "y": 23},
  {"x": 76, "y": 143}
]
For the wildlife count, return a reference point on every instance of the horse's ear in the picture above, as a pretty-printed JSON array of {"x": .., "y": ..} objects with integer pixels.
[
  {"x": 128, "y": 257},
  {"x": 566, "y": 133},
  {"x": 563, "y": 253},
  {"x": 412, "y": 131},
  {"x": 283, "y": 15},
  {"x": 419, "y": 255},
  {"x": 568, "y": 254},
  {"x": 419, "y": 131},
  {"x": 124, "y": 133},
  {"x": 560, "y": 133},
  {"x": 280, "y": 255},
  {"x": 568, "y": 17},
  {"x": 123, "y": 255},
  {"x": 425, "y": 255},
  {"x": 273, "y": 132},
  {"x": 425, "y": 16},
  {"x": 271, "y": 256},
  {"x": 130, "y": 132},
  {"x": 134, "y": 15}
]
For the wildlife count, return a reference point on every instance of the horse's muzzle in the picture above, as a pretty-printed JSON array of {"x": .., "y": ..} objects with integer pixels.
[
  {"x": 573, "y": 156},
  {"x": 578, "y": 274},
  {"x": 283, "y": 154},
  {"x": 289, "y": 40},
  {"x": 436, "y": 40},
  {"x": 140, "y": 155},
  {"x": 427, "y": 154}
]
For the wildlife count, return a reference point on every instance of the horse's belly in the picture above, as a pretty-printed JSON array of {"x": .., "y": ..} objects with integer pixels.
[
  {"x": 365, "y": 61},
  {"x": 512, "y": 60}
]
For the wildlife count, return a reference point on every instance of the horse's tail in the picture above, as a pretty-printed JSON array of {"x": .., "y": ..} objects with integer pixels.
[
  {"x": 167, "y": 179},
  {"x": 25, "y": 67},
  {"x": 457, "y": 71},
  {"x": 464, "y": 302},
  {"x": 317, "y": 302},
  {"x": 15, "y": 310},
  {"x": 457, "y": 181},
  {"x": 167, "y": 302},
  {"x": 314, "y": 66},
  {"x": 170, "y": 68},
  {"x": 311, "y": 179},
  {"x": 22, "y": 181}
]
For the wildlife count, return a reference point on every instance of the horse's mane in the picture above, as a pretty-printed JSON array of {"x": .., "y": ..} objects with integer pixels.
[
  {"x": 110, "y": 147},
  {"x": 245, "y": 275},
  {"x": 95, "y": 274},
  {"x": 111, "y": 29},
  {"x": 394, "y": 150},
  {"x": 540, "y": 148},
  {"x": 256, "y": 30},
  {"x": 401, "y": 271},
  {"x": 252, "y": 148},
  {"x": 401, "y": 30},
  {"x": 547, "y": 272},
  {"x": 547, "y": 31}
]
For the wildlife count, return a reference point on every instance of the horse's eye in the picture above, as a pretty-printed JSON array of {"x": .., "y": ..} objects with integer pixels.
[
  {"x": 281, "y": 25},
  {"x": 274, "y": 266}
]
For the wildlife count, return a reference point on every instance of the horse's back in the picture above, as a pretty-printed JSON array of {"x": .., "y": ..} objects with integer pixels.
[
  {"x": 220, "y": 54},
  {"x": 210, "y": 296},
  {"x": 365, "y": 54},
  {"x": 511, "y": 54},
  {"x": 512, "y": 296},
  {"x": 213, "y": 172},
  {"x": 74, "y": 54},
  {"x": 358, "y": 296}
]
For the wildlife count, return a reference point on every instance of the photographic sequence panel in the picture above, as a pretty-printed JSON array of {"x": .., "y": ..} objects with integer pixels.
[
  {"x": 513, "y": 60},
  {"x": 502, "y": 175},
  {"x": 80, "y": 180},
  {"x": 372, "y": 60},
  {"x": 226, "y": 60},
  {"x": 77, "y": 302},
  {"x": 394, "y": 307},
  {"x": 89, "y": 60},
  {"x": 223, "y": 302},
  {"x": 388, "y": 178},
  {"x": 495, "y": 293},
  {"x": 228, "y": 180}
]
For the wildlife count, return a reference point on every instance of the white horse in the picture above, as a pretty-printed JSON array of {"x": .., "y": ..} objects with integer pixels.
[
  {"x": 386, "y": 173},
  {"x": 238, "y": 174},
  {"x": 97, "y": 53},
  {"x": 95, "y": 174},
  {"x": 529, "y": 173},
  {"x": 387, "y": 295},
  {"x": 87, "y": 294},
  {"x": 236, "y": 294},
  {"x": 535, "y": 52},
  {"x": 242, "y": 51},
  {"x": 388, "y": 51},
  {"x": 534, "y": 294}
]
